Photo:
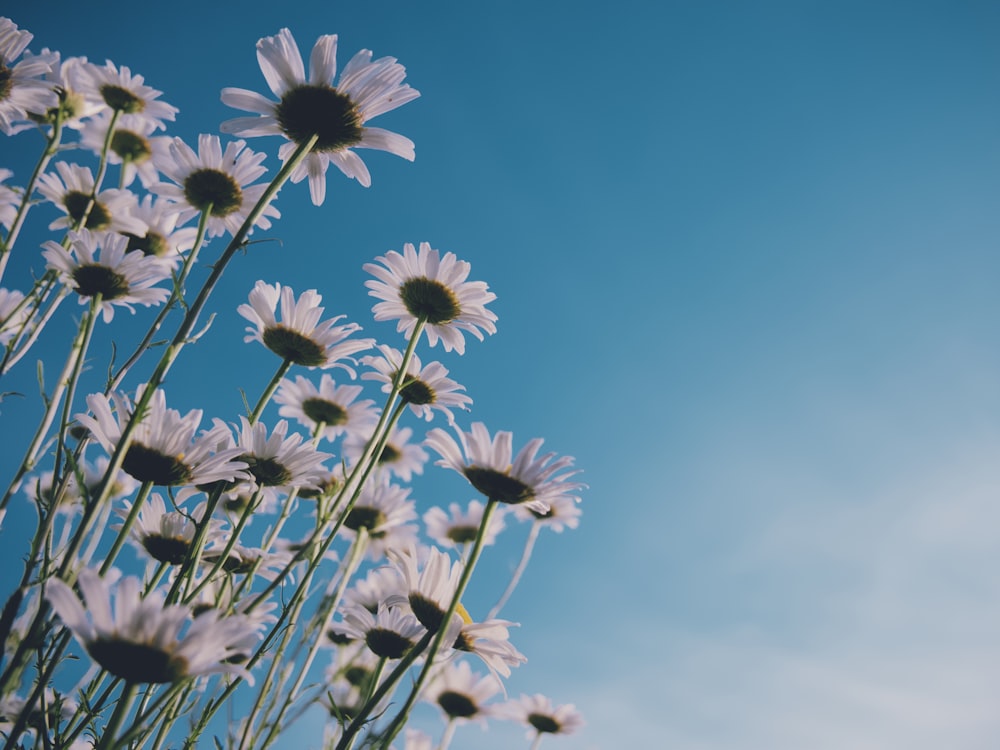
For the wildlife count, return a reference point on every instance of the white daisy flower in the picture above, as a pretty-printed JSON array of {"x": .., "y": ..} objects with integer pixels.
[
  {"x": 460, "y": 693},
  {"x": 489, "y": 641},
  {"x": 563, "y": 513},
  {"x": 139, "y": 639},
  {"x": 9, "y": 200},
  {"x": 99, "y": 264},
  {"x": 424, "y": 389},
  {"x": 538, "y": 713},
  {"x": 242, "y": 560},
  {"x": 389, "y": 633},
  {"x": 457, "y": 527},
  {"x": 300, "y": 337},
  {"x": 331, "y": 405},
  {"x": 73, "y": 107},
  {"x": 531, "y": 479},
  {"x": 133, "y": 145},
  {"x": 22, "y": 88},
  {"x": 428, "y": 589},
  {"x": 214, "y": 181},
  {"x": 124, "y": 93},
  {"x": 377, "y": 586},
  {"x": 163, "y": 238},
  {"x": 166, "y": 536},
  {"x": 399, "y": 456},
  {"x": 424, "y": 286},
  {"x": 384, "y": 510},
  {"x": 164, "y": 449},
  {"x": 70, "y": 191},
  {"x": 315, "y": 107},
  {"x": 276, "y": 462},
  {"x": 13, "y": 314}
]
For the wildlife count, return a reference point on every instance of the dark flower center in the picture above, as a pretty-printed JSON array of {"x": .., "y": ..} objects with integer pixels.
[
  {"x": 232, "y": 564},
  {"x": 498, "y": 486},
  {"x": 267, "y": 471},
  {"x": 390, "y": 454},
  {"x": 122, "y": 99},
  {"x": 131, "y": 146},
  {"x": 429, "y": 614},
  {"x": 94, "y": 279},
  {"x": 387, "y": 643},
  {"x": 137, "y": 662},
  {"x": 293, "y": 346},
  {"x": 212, "y": 187},
  {"x": 357, "y": 676},
  {"x": 6, "y": 81},
  {"x": 168, "y": 549},
  {"x": 457, "y": 705},
  {"x": 319, "y": 110},
  {"x": 326, "y": 488},
  {"x": 463, "y": 643},
  {"x": 544, "y": 723},
  {"x": 149, "y": 465},
  {"x": 236, "y": 503},
  {"x": 76, "y": 204},
  {"x": 327, "y": 412},
  {"x": 417, "y": 392},
  {"x": 429, "y": 299},
  {"x": 462, "y": 534},
  {"x": 337, "y": 638},
  {"x": 362, "y": 517},
  {"x": 152, "y": 244}
]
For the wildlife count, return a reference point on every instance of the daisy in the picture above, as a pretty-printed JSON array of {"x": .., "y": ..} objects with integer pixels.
[
  {"x": 300, "y": 337},
  {"x": 384, "y": 511},
  {"x": 22, "y": 88},
  {"x": 9, "y": 200},
  {"x": 532, "y": 480},
  {"x": 538, "y": 713},
  {"x": 424, "y": 389},
  {"x": 456, "y": 527},
  {"x": 164, "y": 449},
  {"x": 490, "y": 642},
  {"x": 166, "y": 536},
  {"x": 335, "y": 115},
  {"x": 132, "y": 146},
  {"x": 214, "y": 181},
  {"x": 563, "y": 513},
  {"x": 162, "y": 238},
  {"x": 72, "y": 106},
  {"x": 71, "y": 190},
  {"x": 279, "y": 462},
  {"x": 242, "y": 560},
  {"x": 139, "y": 639},
  {"x": 98, "y": 264},
  {"x": 430, "y": 589},
  {"x": 424, "y": 286},
  {"x": 377, "y": 586},
  {"x": 460, "y": 693},
  {"x": 389, "y": 633},
  {"x": 127, "y": 94},
  {"x": 399, "y": 456},
  {"x": 13, "y": 314},
  {"x": 331, "y": 405}
]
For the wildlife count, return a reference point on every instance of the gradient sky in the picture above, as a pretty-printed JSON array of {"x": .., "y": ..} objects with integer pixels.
[{"x": 746, "y": 259}]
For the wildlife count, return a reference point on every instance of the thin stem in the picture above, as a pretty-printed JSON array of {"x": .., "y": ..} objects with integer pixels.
[
  {"x": 122, "y": 709},
  {"x": 529, "y": 546},
  {"x": 272, "y": 386},
  {"x": 536, "y": 742}
]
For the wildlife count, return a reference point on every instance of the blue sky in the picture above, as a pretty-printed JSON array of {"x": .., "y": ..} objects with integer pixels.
[{"x": 747, "y": 266}]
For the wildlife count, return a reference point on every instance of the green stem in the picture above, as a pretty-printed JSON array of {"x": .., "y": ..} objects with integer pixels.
[
  {"x": 122, "y": 709},
  {"x": 272, "y": 386},
  {"x": 133, "y": 513}
]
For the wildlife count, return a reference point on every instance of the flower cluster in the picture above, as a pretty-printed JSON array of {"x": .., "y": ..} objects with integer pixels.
[{"x": 188, "y": 559}]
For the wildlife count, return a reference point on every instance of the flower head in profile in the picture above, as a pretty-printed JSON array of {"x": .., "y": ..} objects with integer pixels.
[
  {"x": 429, "y": 588},
  {"x": 427, "y": 287},
  {"x": 490, "y": 641},
  {"x": 487, "y": 463},
  {"x": 314, "y": 107},
  {"x": 563, "y": 513},
  {"x": 384, "y": 510},
  {"x": 334, "y": 406},
  {"x": 121, "y": 91},
  {"x": 10, "y": 199},
  {"x": 13, "y": 314},
  {"x": 399, "y": 456},
  {"x": 279, "y": 462},
  {"x": 99, "y": 264},
  {"x": 458, "y": 527},
  {"x": 132, "y": 145},
  {"x": 425, "y": 389},
  {"x": 462, "y": 694},
  {"x": 215, "y": 182},
  {"x": 166, "y": 536},
  {"x": 300, "y": 337},
  {"x": 143, "y": 640},
  {"x": 541, "y": 717},
  {"x": 163, "y": 237},
  {"x": 389, "y": 633},
  {"x": 22, "y": 87},
  {"x": 70, "y": 191}
]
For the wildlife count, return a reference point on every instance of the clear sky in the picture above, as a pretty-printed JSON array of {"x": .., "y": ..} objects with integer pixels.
[{"x": 746, "y": 259}]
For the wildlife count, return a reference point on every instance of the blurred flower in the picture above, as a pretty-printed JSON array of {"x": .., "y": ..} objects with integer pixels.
[
  {"x": 9, "y": 200},
  {"x": 331, "y": 405},
  {"x": 138, "y": 639},
  {"x": 98, "y": 264},
  {"x": 214, "y": 181},
  {"x": 461, "y": 693},
  {"x": 22, "y": 89},
  {"x": 456, "y": 527},
  {"x": 315, "y": 107},
  {"x": 563, "y": 513},
  {"x": 300, "y": 337},
  {"x": 424, "y": 286},
  {"x": 424, "y": 389},
  {"x": 13, "y": 314},
  {"x": 532, "y": 480},
  {"x": 538, "y": 713}
]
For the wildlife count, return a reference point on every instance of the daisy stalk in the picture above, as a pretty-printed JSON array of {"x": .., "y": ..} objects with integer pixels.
[
  {"x": 17, "y": 348},
  {"x": 522, "y": 564}
]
